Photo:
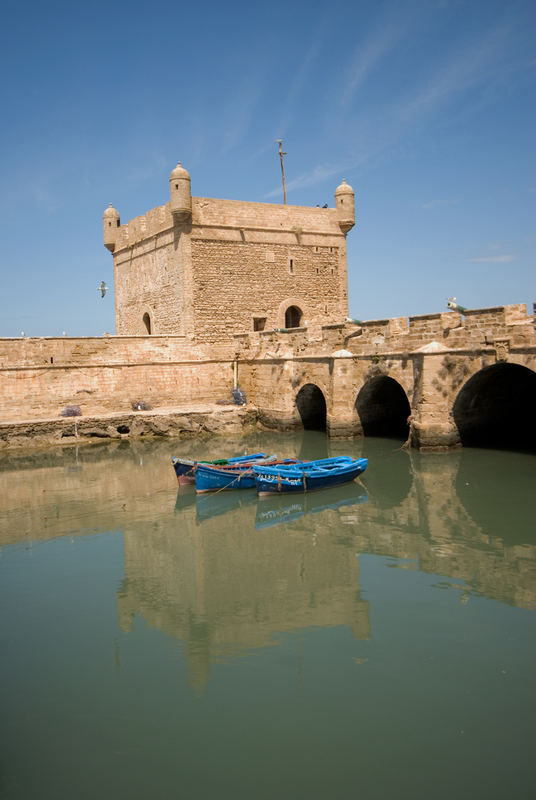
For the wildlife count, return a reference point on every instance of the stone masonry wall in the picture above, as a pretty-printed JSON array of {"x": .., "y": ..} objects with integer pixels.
[
  {"x": 234, "y": 261},
  {"x": 240, "y": 281},
  {"x": 39, "y": 377},
  {"x": 149, "y": 279},
  {"x": 430, "y": 357}
]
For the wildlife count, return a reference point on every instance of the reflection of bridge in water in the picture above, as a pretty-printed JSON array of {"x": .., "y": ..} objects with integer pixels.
[{"x": 229, "y": 573}]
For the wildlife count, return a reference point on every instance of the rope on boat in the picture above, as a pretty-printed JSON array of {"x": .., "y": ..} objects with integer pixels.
[{"x": 238, "y": 477}]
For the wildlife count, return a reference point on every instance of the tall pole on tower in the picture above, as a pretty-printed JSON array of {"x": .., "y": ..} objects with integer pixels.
[{"x": 281, "y": 154}]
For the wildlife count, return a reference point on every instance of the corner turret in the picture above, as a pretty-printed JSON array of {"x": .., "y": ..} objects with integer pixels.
[
  {"x": 180, "y": 194},
  {"x": 345, "y": 205},
  {"x": 110, "y": 227}
]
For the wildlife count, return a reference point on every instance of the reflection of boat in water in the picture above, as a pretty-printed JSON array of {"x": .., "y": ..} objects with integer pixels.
[
  {"x": 213, "y": 504},
  {"x": 275, "y": 509},
  {"x": 185, "y": 497},
  {"x": 271, "y": 510}
]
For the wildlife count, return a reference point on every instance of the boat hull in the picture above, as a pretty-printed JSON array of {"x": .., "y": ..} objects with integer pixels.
[
  {"x": 185, "y": 468},
  {"x": 306, "y": 478},
  {"x": 213, "y": 479},
  {"x": 210, "y": 478}
]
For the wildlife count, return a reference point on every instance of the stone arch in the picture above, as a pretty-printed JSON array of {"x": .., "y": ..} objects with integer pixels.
[
  {"x": 383, "y": 407},
  {"x": 311, "y": 405},
  {"x": 147, "y": 323},
  {"x": 495, "y": 408},
  {"x": 297, "y": 308}
]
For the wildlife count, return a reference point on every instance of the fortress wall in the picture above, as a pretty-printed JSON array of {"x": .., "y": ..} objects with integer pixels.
[
  {"x": 150, "y": 280},
  {"x": 478, "y": 328},
  {"x": 38, "y": 377},
  {"x": 43, "y": 392},
  {"x": 241, "y": 279},
  {"x": 400, "y": 335},
  {"x": 106, "y": 350}
]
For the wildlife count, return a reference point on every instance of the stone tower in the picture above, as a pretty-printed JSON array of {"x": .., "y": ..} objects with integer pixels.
[
  {"x": 180, "y": 194},
  {"x": 208, "y": 269},
  {"x": 110, "y": 227},
  {"x": 345, "y": 205}
]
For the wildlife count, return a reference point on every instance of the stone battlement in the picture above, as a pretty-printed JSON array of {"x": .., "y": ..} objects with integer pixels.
[
  {"x": 477, "y": 328},
  {"x": 239, "y": 221}
]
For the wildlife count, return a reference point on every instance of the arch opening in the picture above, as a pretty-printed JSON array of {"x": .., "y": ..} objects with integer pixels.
[
  {"x": 293, "y": 317},
  {"x": 311, "y": 405},
  {"x": 495, "y": 408},
  {"x": 383, "y": 408},
  {"x": 147, "y": 323}
]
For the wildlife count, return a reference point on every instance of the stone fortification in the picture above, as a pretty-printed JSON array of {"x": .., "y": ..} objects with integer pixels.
[
  {"x": 39, "y": 377},
  {"x": 201, "y": 267},
  {"x": 431, "y": 358},
  {"x": 209, "y": 290}
]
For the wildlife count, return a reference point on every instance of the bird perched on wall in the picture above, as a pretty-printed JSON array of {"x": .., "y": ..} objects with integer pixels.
[
  {"x": 102, "y": 288},
  {"x": 454, "y": 306}
]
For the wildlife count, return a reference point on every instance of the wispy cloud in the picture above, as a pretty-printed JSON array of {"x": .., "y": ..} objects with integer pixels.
[
  {"x": 468, "y": 66},
  {"x": 300, "y": 79},
  {"x": 439, "y": 202},
  {"x": 310, "y": 178},
  {"x": 240, "y": 110},
  {"x": 502, "y": 258},
  {"x": 367, "y": 57},
  {"x": 146, "y": 165}
]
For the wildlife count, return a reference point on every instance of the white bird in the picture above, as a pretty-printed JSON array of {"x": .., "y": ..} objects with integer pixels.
[{"x": 102, "y": 288}]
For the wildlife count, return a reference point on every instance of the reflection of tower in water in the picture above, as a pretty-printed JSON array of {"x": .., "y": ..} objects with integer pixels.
[{"x": 225, "y": 588}]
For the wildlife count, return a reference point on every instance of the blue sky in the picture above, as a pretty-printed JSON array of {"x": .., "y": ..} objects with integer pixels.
[{"x": 426, "y": 108}]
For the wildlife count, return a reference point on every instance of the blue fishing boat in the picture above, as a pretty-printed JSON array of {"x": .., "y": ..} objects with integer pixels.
[
  {"x": 185, "y": 468},
  {"x": 213, "y": 478},
  {"x": 307, "y": 476}
]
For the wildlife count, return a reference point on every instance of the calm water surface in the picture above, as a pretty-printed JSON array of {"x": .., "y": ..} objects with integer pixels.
[{"x": 377, "y": 640}]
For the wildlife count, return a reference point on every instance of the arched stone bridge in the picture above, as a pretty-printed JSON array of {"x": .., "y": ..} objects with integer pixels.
[{"x": 440, "y": 380}]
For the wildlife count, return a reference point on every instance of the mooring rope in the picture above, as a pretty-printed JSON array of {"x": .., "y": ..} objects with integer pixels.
[{"x": 238, "y": 477}]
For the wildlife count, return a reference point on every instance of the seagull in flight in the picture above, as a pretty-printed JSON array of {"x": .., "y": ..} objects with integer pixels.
[{"x": 102, "y": 288}]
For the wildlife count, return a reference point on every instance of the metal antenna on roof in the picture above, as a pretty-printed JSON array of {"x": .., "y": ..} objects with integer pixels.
[{"x": 281, "y": 154}]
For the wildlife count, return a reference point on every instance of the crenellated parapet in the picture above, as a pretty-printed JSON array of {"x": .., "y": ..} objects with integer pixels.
[{"x": 480, "y": 329}]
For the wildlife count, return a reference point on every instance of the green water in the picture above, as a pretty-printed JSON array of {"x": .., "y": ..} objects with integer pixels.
[{"x": 377, "y": 640}]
